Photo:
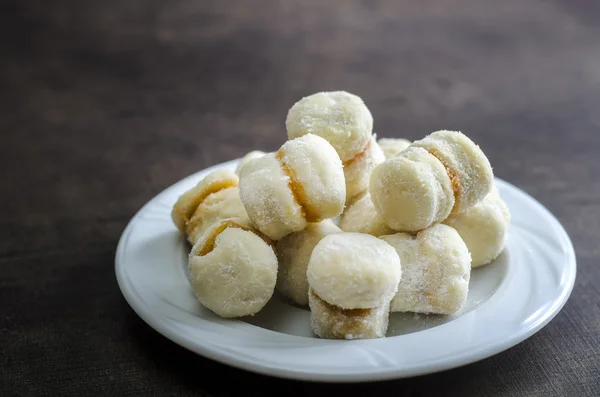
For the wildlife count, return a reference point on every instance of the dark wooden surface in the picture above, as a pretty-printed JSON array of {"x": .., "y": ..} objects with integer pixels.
[{"x": 106, "y": 103}]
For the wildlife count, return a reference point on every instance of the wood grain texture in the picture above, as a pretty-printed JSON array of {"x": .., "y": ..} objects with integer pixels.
[{"x": 106, "y": 103}]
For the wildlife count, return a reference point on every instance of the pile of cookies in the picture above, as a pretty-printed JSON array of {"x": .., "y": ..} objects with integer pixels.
[{"x": 413, "y": 219}]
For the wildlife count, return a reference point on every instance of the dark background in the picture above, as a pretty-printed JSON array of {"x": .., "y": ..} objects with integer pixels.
[{"x": 106, "y": 103}]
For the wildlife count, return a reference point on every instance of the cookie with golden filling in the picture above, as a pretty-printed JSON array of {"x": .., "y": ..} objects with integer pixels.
[
  {"x": 354, "y": 270},
  {"x": 233, "y": 269},
  {"x": 411, "y": 191},
  {"x": 483, "y": 227},
  {"x": 357, "y": 171},
  {"x": 361, "y": 217},
  {"x": 300, "y": 183},
  {"x": 436, "y": 268},
  {"x": 340, "y": 117},
  {"x": 466, "y": 164},
  {"x": 293, "y": 254},
  {"x": 222, "y": 204},
  {"x": 187, "y": 203}
]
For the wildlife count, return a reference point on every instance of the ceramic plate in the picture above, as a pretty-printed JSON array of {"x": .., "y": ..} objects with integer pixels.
[{"x": 509, "y": 300}]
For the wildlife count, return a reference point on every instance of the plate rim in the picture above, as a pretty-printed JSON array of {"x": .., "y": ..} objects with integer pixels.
[{"x": 230, "y": 359}]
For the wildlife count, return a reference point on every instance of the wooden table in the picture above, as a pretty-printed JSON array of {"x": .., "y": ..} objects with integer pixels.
[{"x": 106, "y": 103}]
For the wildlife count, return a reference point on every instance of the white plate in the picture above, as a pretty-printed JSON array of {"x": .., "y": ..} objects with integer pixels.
[{"x": 509, "y": 300}]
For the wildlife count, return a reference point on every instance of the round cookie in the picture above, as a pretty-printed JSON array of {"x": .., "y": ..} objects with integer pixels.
[
  {"x": 233, "y": 270},
  {"x": 188, "y": 202},
  {"x": 341, "y": 118},
  {"x": 331, "y": 322},
  {"x": 225, "y": 203},
  {"x": 316, "y": 175},
  {"x": 268, "y": 200},
  {"x": 293, "y": 254},
  {"x": 302, "y": 182},
  {"x": 361, "y": 217},
  {"x": 436, "y": 268},
  {"x": 249, "y": 156},
  {"x": 483, "y": 228},
  {"x": 392, "y": 146},
  {"x": 354, "y": 270},
  {"x": 466, "y": 164},
  {"x": 357, "y": 171},
  {"x": 411, "y": 191}
]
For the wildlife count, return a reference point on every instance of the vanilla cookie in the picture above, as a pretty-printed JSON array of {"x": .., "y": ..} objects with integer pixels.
[
  {"x": 293, "y": 254},
  {"x": 361, "y": 217},
  {"x": 354, "y": 270},
  {"x": 233, "y": 269},
  {"x": 411, "y": 191},
  {"x": 357, "y": 171},
  {"x": 341, "y": 118},
  {"x": 225, "y": 203},
  {"x": 188, "y": 202},
  {"x": 436, "y": 268},
  {"x": 466, "y": 164},
  {"x": 483, "y": 227},
  {"x": 302, "y": 182}
]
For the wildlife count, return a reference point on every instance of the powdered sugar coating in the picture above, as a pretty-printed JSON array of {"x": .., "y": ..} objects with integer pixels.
[
  {"x": 267, "y": 198},
  {"x": 247, "y": 157},
  {"x": 357, "y": 171},
  {"x": 361, "y": 217},
  {"x": 237, "y": 277},
  {"x": 186, "y": 204},
  {"x": 392, "y": 146},
  {"x": 466, "y": 160},
  {"x": 436, "y": 268},
  {"x": 338, "y": 116},
  {"x": 293, "y": 254},
  {"x": 319, "y": 175},
  {"x": 225, "y": 203},
  {"x": 354, "y": 270},
  {"x": 411, "y": 191},
  {"x": 483, "y": 228},
  {"x": 331, "y": 322}
]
